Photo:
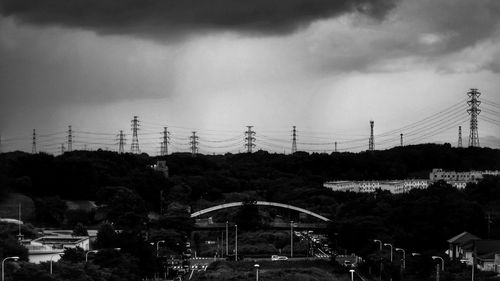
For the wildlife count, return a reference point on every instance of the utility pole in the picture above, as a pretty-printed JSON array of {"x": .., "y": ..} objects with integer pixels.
[
  {"x": 489, "y": 224},
  {"x": 401, "y": 141},
  {"x": 121, "y": 142},
  {"x": 227, "y": 238},
  {"x": 294, "y": 140},
  {"x": 371, "y": 141},
  {"x": 165, "y": 142},
  {"x": 134, "y": 148},
  {"x": 249, "y": 138},
  {"x": 474, "y": 111},
  {"x": 0, "y": 144},
  {"x": 291, "y": 239},
  {"x": 335, "y": 146},
  {"x": 235, "y": 242},
  {"x": 20, "y": 235},
  {"x": 70, "y": 139},
  {"x": 194, "y": 144},
  {"x": 459, "y": 137},
  {"x": 33, "y": 142}
]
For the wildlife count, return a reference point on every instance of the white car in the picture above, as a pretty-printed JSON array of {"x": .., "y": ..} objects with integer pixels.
[{"x": 278, "y": 258}]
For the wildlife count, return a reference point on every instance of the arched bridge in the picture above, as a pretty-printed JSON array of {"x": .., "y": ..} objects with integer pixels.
[{"x": 258, "y": 203}]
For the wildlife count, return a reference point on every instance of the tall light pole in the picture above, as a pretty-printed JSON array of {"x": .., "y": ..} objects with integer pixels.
[
  {"x": 404, "y": 258},
  {"x": 3, "y": 265},
  {"x": 291, "y": 239},
  {"x": 51, "y": 261},
  {"x": 437, "y": 266},
  {"x": 227, "y": 238},
  {"x": 380, "y": 254},
  {"x": 236, "y": 243},
  {"x": 389, "y": 245},
  {"x": 256, "y": 271},
  {"x": 442, "y": 261},
  {"x": 403, "y": 266},
  {"x": 222, "y": 244},
  {"x": 87, "y": 254},
  {"x": 158, "y": 247}
]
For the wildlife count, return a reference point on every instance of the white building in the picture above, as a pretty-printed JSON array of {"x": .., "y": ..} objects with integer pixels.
[
  {"x": 458, "y": 180},
  {"x": 51, "y": 247},
  {"x": 395, "y": 186}
]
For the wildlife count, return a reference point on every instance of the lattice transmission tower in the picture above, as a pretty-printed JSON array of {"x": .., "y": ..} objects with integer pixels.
[
  {"x": 294, "y": 140},
  {"x": 194, "y": 144},
  {"x": 134, "y": 147},
  {"x": 165, "y": 142},
  {"x": 459, "y": 144},
  {"x": 121, "y": 142},
  {"x": 70, "y": 139},
  {"x": 33, "y": 142},
  {"x": 249, "y": 139},
  {"x": 371, "y": 141},
  {"x": 474, "y": 111}
]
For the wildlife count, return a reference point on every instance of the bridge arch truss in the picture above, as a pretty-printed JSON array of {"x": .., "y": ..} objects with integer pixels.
[{"x": 259, "y": 203}]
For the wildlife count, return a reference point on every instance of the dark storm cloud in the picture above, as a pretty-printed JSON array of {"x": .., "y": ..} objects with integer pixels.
[{"x": 171, "y": 16}]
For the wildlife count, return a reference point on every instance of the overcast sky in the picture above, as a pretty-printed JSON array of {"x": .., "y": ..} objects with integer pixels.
[{"x": 216, "y": 66}]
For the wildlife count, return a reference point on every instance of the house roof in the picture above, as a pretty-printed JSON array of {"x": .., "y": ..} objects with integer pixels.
[
  {"x": 487, "y": 247},
  {"x": 463, "y": 238},
  {"x": 67, "y": 240}
]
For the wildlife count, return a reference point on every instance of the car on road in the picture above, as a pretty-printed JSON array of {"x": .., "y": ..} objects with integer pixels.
[{"x": 278, "y": 258}]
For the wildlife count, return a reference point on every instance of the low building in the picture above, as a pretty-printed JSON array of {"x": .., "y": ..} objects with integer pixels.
[
  {"x": 470, "y": 249},
  {"x": 461, "y": 247},
  {"x": 486, "y": 252},
  {"x": 460, "y": 179},
  {"x": 395, "y": 186},
  {"x": 48, "y": 248}
]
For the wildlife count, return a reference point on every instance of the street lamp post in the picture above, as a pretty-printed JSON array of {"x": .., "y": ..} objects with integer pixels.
[
  {"x": 404, "y": 258},
  {"x": 87, "y": 254},
  {"x": 442, "y": 261},
  {"x": 227, "y": 238},
  {"x": 437, "y": 266},
  {"x": 3, "y": 265},
  {"x": 380, "y": 254},
  {"x": 352, "y": 274},
  {"x": 236, "y": 243},
  {"x": 291, "y": 239},
  {"x": 158, "y": 247},
  {"x": 256, "y": 271},
  {"x": 403, "y": 265},
  {"x": 389, "y": 245},
  {"x": 51, "y": 261}
]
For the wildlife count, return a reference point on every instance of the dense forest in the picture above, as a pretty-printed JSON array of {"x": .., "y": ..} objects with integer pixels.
[{"x": 128, "y": 190}]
